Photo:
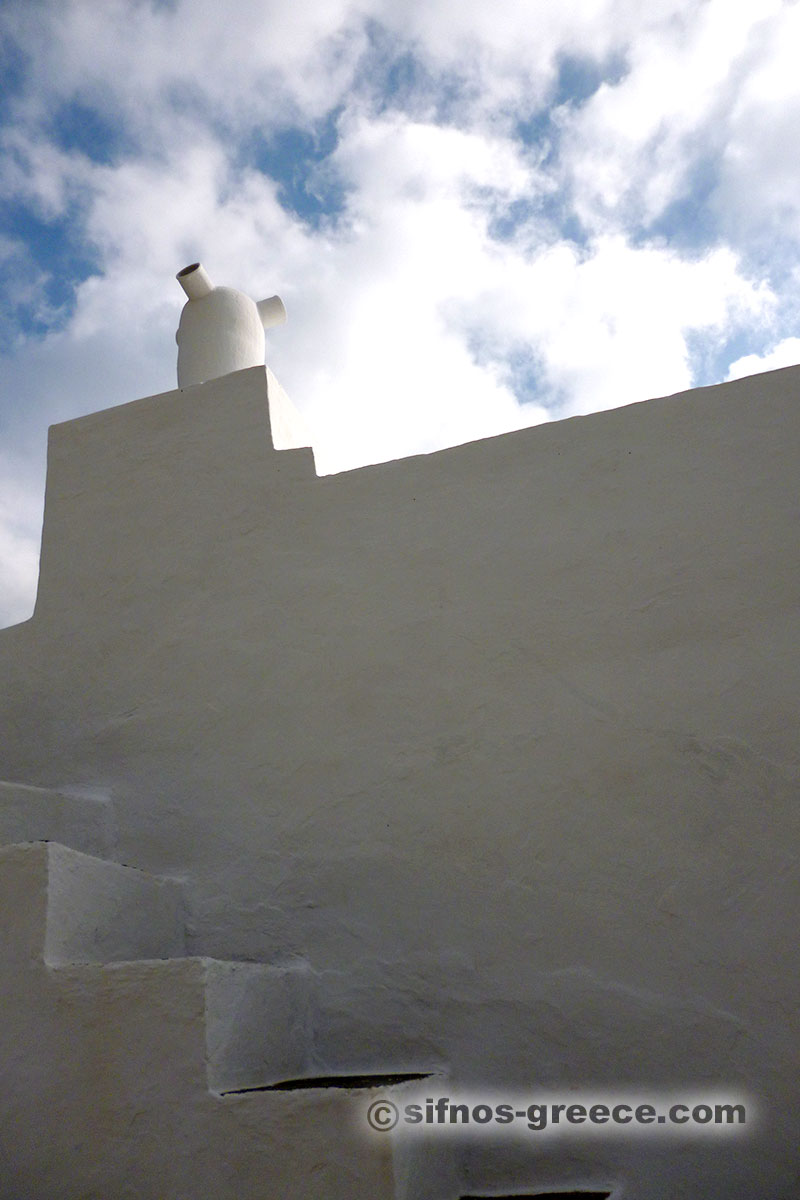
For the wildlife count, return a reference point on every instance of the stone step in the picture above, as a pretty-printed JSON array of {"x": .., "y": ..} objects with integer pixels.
[
  {"x": 258, "y": 1020},
  {"x": 34, "y": 814},
  {"x": 224, "y": 1026},
  {"x": 125, "y": 1068},
  {"x": 113, "y": 1074},
  {"x": 116, "y": 1068},
  {"x": 64, "y": 906},
  {"x": 69, "y": 911}
]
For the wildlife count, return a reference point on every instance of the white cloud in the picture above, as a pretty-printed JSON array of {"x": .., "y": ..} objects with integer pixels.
[
  {"x": 609, "y": 323},
  {"x": 785, "y": 354},
  {"x": 759, "y": 190},
  {"x": 511, "y": 50},
  {"x": 630, "y": 148},
  {"x": 390, "y": 373}
]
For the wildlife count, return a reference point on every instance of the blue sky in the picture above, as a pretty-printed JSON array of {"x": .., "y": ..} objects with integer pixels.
[{"x": 479, "y": 216}]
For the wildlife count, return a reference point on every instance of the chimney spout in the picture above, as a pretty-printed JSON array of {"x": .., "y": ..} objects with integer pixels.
[
  {"x": 271, "y": 311},
  {"x": 195, "y": 281}
]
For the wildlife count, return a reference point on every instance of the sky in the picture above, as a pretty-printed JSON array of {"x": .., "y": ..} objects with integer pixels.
[{"x": 479, "y": 216}]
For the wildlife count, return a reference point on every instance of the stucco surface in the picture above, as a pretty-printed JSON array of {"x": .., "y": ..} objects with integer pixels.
[{"x": 502, "y": 741}]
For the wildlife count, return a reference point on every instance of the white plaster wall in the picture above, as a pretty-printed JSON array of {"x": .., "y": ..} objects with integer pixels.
[{"x": 502, "y": 739}]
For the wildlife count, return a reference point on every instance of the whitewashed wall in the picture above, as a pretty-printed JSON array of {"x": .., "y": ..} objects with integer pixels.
[{"x": 501, "y": 740}]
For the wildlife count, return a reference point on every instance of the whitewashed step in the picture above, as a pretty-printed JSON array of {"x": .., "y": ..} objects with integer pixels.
[
  {"x": 33, "y": 814},
  {"x": 107, "y": 1071},
  {"x": 158, "y": 1074},
  {"x": 68, "y": 907},
  {"x": 258, "y": 1023}
]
